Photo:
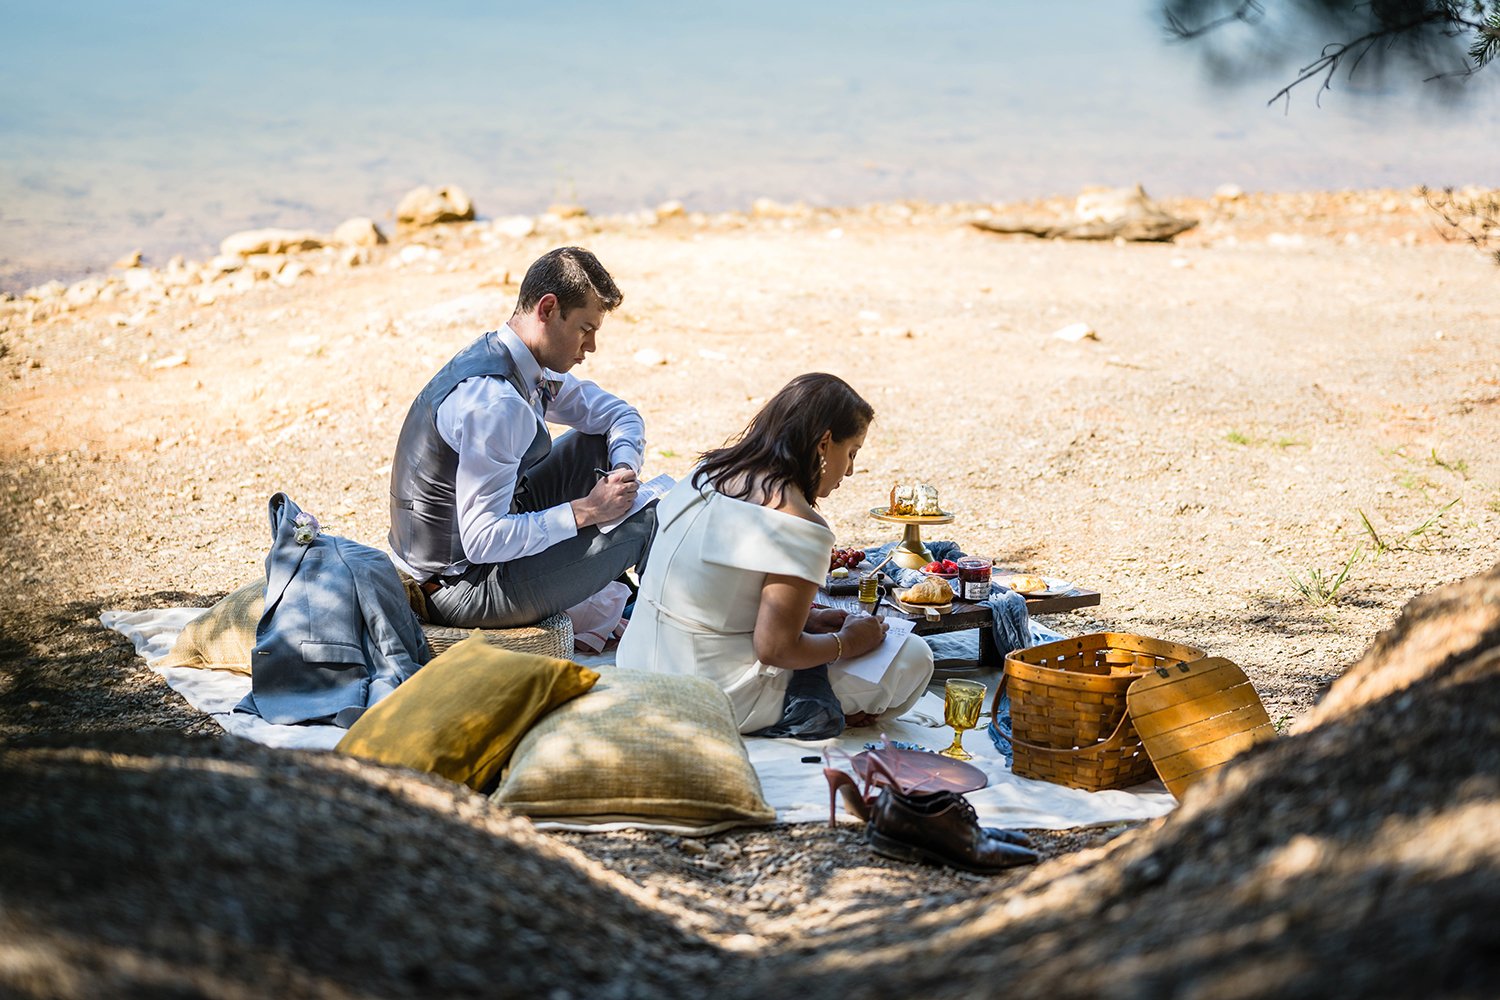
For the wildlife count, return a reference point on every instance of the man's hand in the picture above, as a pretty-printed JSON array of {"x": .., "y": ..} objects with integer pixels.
[
  {"x": 610, "y": 497},
  {"x": 821, "y": 621}
]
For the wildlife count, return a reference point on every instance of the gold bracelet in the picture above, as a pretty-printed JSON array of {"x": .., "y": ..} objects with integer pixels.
[{"x": 840, "y": 642}]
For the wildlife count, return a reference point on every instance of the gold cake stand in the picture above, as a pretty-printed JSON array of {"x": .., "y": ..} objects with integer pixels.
[{"x": 910, "y": 552}]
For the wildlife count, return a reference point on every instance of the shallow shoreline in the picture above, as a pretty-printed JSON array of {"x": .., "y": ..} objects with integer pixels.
[{"x": 20, "y": 279}]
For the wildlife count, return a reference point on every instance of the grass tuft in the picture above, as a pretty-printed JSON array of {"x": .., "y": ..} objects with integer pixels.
[
  {"x": 1375, "y": 539},
  {"x": 1321, "y": 589},
  {"x": 1458, "y": 466},
  {"x": 1280, "y": 441},
  {"x": 1381, "y": 546},
  {"x": 1421, "y": 529}
]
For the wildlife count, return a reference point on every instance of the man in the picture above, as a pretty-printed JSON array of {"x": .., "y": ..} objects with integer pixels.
[{"x": 499, "y": 523}]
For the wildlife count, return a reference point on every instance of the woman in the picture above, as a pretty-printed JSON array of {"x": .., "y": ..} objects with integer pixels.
[{"x": 739, "y": 553}]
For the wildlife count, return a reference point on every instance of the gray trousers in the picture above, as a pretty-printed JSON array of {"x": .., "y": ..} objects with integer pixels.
[{"x": 524, "y": 591}]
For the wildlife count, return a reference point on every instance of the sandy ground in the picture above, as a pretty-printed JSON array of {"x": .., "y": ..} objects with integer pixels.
[{"x": 1249, "y": 393}]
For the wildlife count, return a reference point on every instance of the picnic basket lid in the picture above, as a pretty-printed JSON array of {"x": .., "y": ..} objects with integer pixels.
[{"x": 1194, "y": 717}]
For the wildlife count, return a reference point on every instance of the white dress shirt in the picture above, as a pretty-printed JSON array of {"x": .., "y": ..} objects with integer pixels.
[{"x": 490, "y": 425}]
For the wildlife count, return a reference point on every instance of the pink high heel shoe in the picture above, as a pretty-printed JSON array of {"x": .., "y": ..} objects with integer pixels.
[
  {"x": 840, "y": 782},
  {"x": 860, "y": 794}
]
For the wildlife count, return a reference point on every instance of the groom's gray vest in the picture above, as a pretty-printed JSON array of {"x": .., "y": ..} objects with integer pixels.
[{"x": 424, "y": 513}]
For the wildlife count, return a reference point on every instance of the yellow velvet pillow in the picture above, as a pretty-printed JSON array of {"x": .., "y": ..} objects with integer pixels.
[
  {"x": 223, "y": 636},
  {"x": 463, "y": 713},
  {"x": 639, "y": 745}
]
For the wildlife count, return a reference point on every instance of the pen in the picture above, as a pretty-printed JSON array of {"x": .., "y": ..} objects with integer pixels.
[{"x": 602, "y": 473}]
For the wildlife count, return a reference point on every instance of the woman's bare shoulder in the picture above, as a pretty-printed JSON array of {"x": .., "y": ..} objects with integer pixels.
[{"x": 795, "y": 504}]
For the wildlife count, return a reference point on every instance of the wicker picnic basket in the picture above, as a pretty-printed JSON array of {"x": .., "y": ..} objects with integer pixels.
[
  {"x": 1070, "y": 722},
  {"x": 549, "y": 637}
]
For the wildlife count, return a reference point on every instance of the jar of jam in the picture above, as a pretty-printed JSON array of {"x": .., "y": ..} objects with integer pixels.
[{"x": 973, "y": 578}]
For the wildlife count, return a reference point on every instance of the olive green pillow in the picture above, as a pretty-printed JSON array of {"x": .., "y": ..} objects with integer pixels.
[
  {"x": 461, "y": 715},
  {"x": 222, "y": 637},
  {"x": 662, "y": 747}
]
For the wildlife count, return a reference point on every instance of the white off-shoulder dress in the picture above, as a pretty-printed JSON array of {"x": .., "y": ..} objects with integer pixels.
[{"x": 700, "y": 595}]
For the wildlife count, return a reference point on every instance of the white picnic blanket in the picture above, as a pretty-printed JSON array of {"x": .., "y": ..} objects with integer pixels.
[{"x": 795, "y": 788}]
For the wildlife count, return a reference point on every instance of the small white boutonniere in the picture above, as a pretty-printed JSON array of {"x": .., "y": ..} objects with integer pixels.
[{"x": 307, "y": 528}]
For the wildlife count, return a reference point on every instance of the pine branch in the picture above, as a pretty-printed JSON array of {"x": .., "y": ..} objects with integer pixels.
[
  {"x": 1388, "y": 21},
  {"x": 1248, "y": 12},
  {"x": 1327, "y": 64}
]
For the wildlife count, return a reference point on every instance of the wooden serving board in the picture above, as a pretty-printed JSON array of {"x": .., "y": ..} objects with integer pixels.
[
  {"x": 925, "y": 610},
  {"x": 1194, "y": 717}
]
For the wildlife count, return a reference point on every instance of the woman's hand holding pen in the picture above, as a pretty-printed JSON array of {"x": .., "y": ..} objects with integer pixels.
[{"x": 861, "y": 633}]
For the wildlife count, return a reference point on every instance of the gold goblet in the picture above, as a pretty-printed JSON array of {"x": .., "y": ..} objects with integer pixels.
[{"x": 962, "y": 703}]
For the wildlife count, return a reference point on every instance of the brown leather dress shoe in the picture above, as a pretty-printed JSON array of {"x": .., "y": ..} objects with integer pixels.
[{"x": 940, "y": 828}]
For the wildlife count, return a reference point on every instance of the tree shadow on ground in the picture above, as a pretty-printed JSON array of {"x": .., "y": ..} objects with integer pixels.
[
  {"x": 737, "y": 881},
  {"x": 65, "y": 672}
]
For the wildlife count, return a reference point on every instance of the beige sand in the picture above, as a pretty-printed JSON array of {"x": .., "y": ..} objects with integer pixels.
[{"x": 1250, "y": 390}]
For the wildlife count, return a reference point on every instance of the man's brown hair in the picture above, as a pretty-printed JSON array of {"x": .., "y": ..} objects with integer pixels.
[{"x": 572, "y": 274}]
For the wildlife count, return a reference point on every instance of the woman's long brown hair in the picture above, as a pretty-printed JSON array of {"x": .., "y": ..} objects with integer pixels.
[{"x": 779, "y": 447}]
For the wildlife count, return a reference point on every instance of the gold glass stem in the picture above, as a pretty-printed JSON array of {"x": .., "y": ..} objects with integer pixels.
[{"x": 957, "y": 751}]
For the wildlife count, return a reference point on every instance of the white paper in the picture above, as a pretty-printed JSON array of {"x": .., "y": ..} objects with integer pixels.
[
  {"x": 649, "y": 491},
  {"x": 873, "y": 665}
]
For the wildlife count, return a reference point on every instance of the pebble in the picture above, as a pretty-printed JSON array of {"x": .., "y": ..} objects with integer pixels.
[
  {"x": 1075, "y": 332},
  {"x": 515, "y": 226}
]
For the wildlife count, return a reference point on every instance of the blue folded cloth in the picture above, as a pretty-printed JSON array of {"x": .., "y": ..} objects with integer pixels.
[
  {"x": 809, "y": 710},
  {"x": 1000, "y": 731},
  {"x": 1010, "y": 621}
]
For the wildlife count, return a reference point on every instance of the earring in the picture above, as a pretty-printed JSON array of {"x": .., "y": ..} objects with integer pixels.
[{"x": 822, "y": 466}]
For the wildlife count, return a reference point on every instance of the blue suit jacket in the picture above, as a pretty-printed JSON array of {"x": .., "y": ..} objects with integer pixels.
[{"x": 338, "y": 633}]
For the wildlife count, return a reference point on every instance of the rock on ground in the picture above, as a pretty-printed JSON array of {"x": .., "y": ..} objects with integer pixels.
[
  {"x": 358, "y": 232},
  {"x": 255, "y": 241},
  {"x": 425, "y": 206}
]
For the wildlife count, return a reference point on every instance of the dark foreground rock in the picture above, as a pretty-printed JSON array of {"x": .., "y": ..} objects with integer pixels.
[
  {"x": 1359, "y": 857},
  {"x": 175, "y": 866}
]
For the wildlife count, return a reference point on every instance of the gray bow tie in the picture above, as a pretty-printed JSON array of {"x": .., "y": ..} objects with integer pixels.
[{"x": 547, "y": 390}]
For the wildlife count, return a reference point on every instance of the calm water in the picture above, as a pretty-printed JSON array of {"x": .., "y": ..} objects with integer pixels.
[{"x": 166, "y": 126}]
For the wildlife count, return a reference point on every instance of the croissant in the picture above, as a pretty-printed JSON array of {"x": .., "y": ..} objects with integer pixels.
[
  {"x": 932, "y": 590},
  {"x": 1027, "y": 584}
]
